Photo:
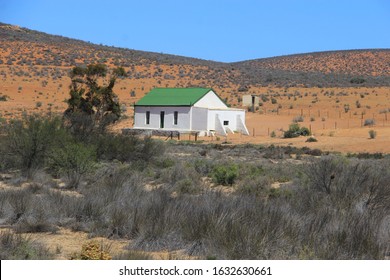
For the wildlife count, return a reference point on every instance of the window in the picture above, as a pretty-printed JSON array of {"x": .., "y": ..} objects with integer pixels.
[
  {"x": 225, "y": 122},
  {"x": 147, "y": 117},
  {"x": 175, "y": 117},
  {"x": 162, "y": 119}
]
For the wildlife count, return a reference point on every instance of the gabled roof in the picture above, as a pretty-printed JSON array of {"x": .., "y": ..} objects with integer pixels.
[{"x": 172, "y": 97}]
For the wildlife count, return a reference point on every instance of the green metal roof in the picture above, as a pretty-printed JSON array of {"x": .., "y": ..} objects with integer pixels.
[{"x": 172, "y": 97}]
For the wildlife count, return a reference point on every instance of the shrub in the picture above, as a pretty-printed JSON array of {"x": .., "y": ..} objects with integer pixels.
[
  {"x": 295, "y": 130},
  {"x": 92, "y": 250},
  {"x": 357, "y": 80},
  {"x": 298, "y": 119},
  {"x": 16, "y": 247},
  {"x": 225, "y": 174},
  {"x": 311, "y": 139},
  {"x": 29, "y": 141},
  {"x": 255, "y": 185},
  {"x": 133, "y": 255},
  {"x": 119, "y": 147},
  {"x": 358, "y": 105},
  {"x": 369, "y": 122},
  {"x": 372, "y": 134},
  {"x": 321, "y": 173},
  {"x": 73, "y": 160}
]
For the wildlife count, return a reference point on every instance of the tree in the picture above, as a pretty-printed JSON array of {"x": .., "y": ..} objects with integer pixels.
[{"x": 92, "y": 106}]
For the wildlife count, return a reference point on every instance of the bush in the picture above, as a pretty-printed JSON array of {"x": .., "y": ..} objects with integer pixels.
[
  {"x": 311, "y": 139},
  {"x": 369, "y": 122},
  {"x": 321, "y": 173},
  {"x": 29, "y": 141},
  {"x": 295, "y": 130},
  {"x": 16, "y": 247},
  {"x": 119, "y": 147},
  {"x": 92, "y": 250},
  {"x": 372, "y": 134},
  {"x": 126, "y": 148},
  {"x": 73, "y": 160},
  {"x": 298, "y": 119},
  {"x": 357, "y": 80},
  {"x": 225, "y": 174}
]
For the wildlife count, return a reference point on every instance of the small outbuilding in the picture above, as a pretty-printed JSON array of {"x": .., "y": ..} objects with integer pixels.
[{"x": 186, "y": 110}]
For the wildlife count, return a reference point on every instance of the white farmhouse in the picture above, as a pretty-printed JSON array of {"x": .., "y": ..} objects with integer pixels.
[{"x": 187, "y": 110}]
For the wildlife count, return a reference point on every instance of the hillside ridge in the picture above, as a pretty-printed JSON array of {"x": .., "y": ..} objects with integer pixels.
[{"x": 344, "y": 68}]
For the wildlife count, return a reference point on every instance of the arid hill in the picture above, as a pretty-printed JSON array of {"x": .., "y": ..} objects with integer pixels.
[
  {"x": 28, "y": 48},
  {"x": 343, "y": 68},
  {"x": 375, "y": 62}
]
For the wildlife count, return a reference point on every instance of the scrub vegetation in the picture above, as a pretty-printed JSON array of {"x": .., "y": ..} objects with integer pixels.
[{"x": 216, "y": 201}]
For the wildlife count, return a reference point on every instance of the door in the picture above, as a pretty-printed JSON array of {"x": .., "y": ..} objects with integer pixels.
[{"x": 162, "y": 117}]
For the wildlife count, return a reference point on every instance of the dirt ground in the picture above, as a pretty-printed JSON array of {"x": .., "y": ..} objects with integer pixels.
[{"x": 336, "y": 116}]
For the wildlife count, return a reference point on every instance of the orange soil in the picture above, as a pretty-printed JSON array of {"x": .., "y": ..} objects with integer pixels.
[{"x": 323, "y": 109}]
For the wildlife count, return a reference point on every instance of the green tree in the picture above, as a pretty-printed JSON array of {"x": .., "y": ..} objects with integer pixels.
[{"x": 92, "y": 106}]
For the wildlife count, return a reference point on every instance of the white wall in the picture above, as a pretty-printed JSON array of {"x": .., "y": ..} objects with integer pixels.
[
  {"x": 210, "y": 100},
  {"x": 183, "y": 117},
  {"x": 189, "y": 118},
  {"x": 225, "y": 115},
  {"x": 199, "y": 118},
  {"x": 247, "y": 100}
]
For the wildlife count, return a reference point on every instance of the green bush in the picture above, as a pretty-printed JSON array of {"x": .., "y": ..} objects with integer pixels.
[
  {"x": 119, "y": 147},
  {"x": 29, "y": 140},
  {"x": 311, "y": 139},
  {"x": 127, "y": 148},
  {"x": 295, "y": 130},
  {"x": 72, "y": 160},
  {"x": 225, "y": 174}
]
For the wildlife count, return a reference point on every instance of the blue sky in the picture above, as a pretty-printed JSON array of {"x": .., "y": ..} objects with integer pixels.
[{"x": 218, "y": 30}]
